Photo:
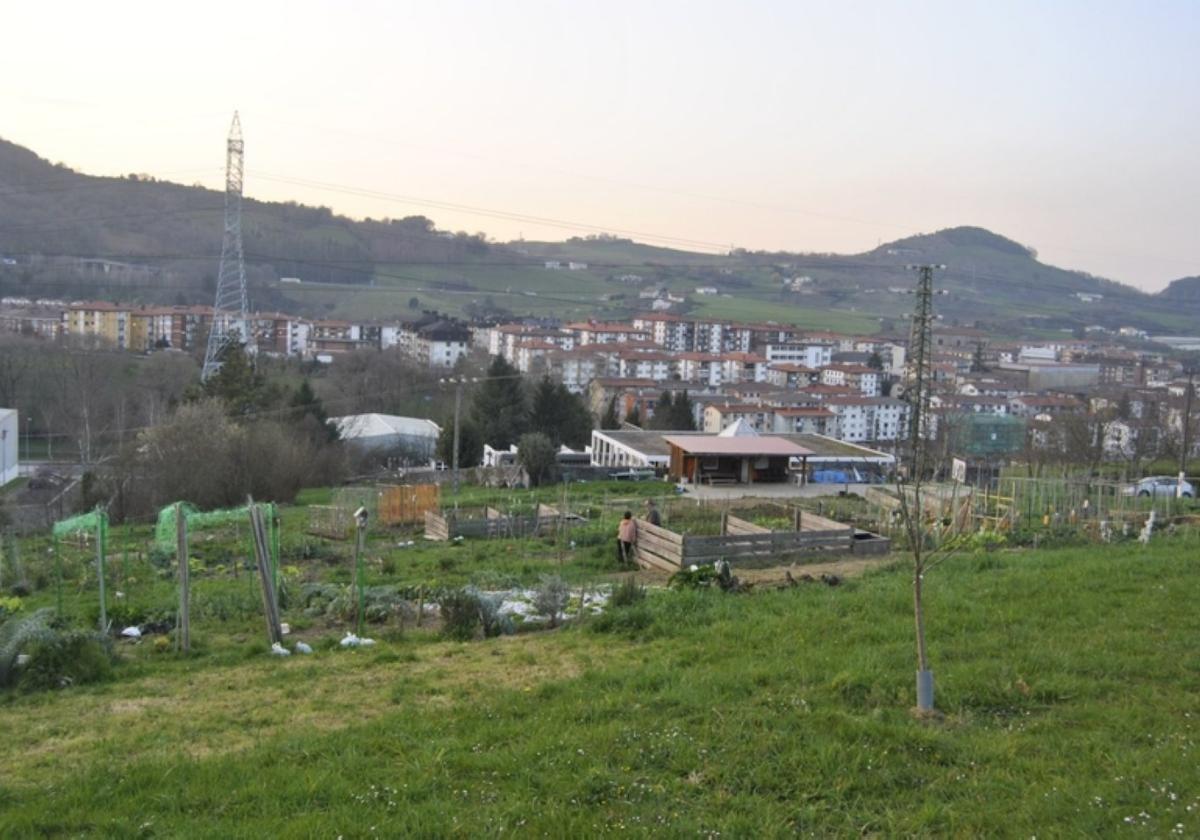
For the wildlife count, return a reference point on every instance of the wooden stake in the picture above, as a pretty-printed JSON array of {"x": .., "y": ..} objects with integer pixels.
[
  {"x": 184, "y": 640},
  {"x": 262, "y": 555}
]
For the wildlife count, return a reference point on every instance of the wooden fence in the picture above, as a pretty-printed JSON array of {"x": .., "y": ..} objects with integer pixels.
[
  {"x": 389, "y": 505},
  {"x": 742, "y": 541},
  {"x": 495, "y": 523}
]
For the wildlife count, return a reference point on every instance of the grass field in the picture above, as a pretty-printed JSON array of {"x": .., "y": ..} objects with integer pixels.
[{"x": 1067, "y": 678}]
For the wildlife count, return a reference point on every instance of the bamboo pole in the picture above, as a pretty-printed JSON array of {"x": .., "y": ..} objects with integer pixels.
[{"x": 101, "y": 527}]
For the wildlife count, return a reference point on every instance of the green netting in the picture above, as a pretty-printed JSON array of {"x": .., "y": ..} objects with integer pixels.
[
  {"x": 164, "y": 531},
  {"x": 89, "y": 521}
]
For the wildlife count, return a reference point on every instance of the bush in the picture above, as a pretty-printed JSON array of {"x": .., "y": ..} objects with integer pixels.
[
  {"x": 627, "y": 593},
  {"x": 460, "y": 615},
  {"x": 551, "y": 598},
  {"x": 67, "y": 658}
]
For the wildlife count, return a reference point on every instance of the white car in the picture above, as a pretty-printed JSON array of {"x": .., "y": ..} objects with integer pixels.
[{"x": 1160, "y": 485}]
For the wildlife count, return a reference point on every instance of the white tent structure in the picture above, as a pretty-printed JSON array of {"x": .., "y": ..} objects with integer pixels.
[
  {"x": 9, "y": 445},
  {"x": 415, "y": 437}
]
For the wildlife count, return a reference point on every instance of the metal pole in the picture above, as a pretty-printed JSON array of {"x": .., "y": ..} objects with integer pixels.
[
  {"x": 360, "y": 534},
  {"x": 1183, "y": 451}
]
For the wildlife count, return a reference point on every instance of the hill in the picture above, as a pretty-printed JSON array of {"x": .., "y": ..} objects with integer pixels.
[
  {"x": 171, "y": 234},
  {"x": 1183, "y": 290},
  {"x": 163, "y": 241}
]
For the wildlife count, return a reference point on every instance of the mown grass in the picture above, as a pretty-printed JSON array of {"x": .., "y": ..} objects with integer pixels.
[{"x": 1067, "y": 677}]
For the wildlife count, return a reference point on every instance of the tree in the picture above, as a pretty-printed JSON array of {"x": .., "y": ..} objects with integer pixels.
[
  {"x": 414, "y": 303},
  {"x": 875, "y": 361},
  {"x": 470, "y": 443},
  {"x": 238, "y": 385},
  {"x": 538, "y": 455},
  {"x": 978, "y": 365},
  {"x": 309, "y": 413},
  {"x": 683, "y": 415},
  {"x": 498, "y": 405},
  {"x": 663, "y": 412},
  {"x": 634, "y": 416},
  {"x": 609, "y": 419}
]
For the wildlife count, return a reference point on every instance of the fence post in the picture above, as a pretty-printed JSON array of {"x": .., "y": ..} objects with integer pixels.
[
  {"x": 184, "y": 642},
  {"x": 262, "y": 556},
  {"x": 101, "y": 527}
]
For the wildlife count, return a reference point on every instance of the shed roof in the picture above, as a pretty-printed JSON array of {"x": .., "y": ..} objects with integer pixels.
[{"x": 756, "y": 445}]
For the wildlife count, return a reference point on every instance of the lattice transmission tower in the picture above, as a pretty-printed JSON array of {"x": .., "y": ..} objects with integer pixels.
[
  {"x": 919, "y": 373},
  {"x": 229, "y": 323}
]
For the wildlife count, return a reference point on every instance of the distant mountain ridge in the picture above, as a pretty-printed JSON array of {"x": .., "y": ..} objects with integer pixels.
[{"x": 172, "y": 233}]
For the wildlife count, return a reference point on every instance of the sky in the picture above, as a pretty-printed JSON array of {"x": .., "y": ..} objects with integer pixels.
[{"x": 1072, "y": 127}]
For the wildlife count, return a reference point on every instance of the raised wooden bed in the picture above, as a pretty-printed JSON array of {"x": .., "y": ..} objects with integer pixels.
[
  {"x": 743, "y": 542},
  {"x": 495, "y": 523}
]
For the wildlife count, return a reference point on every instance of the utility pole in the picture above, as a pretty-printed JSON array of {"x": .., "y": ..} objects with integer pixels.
[
  {"x": 1187, "y": 422},
  {"x": 458, "y": 383}
]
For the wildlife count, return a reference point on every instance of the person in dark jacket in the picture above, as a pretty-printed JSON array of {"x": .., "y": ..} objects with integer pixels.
[{"x": 652, "y": 515}]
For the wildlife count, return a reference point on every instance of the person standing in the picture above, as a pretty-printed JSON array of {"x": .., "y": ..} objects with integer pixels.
[
  {"x": 626, "y": 537},
  {"x": 652, "y": 515}
]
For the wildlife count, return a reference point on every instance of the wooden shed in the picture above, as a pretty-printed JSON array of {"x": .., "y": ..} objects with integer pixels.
[{"x": 715, "y": 459}]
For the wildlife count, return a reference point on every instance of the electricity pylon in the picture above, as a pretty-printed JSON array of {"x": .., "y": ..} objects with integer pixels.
[{"x": 229, "y": 324}]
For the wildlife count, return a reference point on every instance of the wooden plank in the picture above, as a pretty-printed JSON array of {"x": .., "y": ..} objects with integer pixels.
[
  {"x": 813, "y": 522},
  {"x": 737, "y": 525},
  {"x": 667, "y": 534},
  {"x": 660, "y": 545},
  {"x": 649, "y": 559}
]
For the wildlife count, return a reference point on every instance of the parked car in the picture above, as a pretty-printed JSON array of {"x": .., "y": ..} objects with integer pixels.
[{"x": 1160, "y": 485}]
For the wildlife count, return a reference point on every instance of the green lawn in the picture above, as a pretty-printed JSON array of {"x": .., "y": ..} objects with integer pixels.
[{"x": 1067, "y": 677}]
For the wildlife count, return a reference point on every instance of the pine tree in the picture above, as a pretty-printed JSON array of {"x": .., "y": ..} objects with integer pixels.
[
  {"x": 499, "y": 408},
  {"x": 609, "y": 419},
  {"x": 662, "y": 416},
  {"x": 683, "y": 418},
  {"x": 310, "y": 412}
]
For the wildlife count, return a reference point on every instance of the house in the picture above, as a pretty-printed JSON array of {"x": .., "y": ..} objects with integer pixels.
[{"x": 738, "y": 455}]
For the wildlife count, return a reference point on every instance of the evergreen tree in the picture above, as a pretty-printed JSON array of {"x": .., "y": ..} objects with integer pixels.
[
  {"x": 561, "y": 416},
  {"x": 609, "y": 419},
  {"x": 309, "y": 412},
  {"x": 977, "y": 363},
  {"x": 470, "y": 444},
  {"x": 662, "y": 416},
  {"x": 875, "y": 361},
  {"x": 634, "y": 417},
  {"x": 498, "y": 405},
  {"x": 237, "y": 384},
  {"x": 683, "y": 418}
]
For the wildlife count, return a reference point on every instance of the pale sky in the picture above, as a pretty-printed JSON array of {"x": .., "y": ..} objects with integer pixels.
[{"x": 1073, "y": 127}]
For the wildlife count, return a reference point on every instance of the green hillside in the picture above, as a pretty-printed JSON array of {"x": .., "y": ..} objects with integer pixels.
[{"x": 1067, "y": 680}]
